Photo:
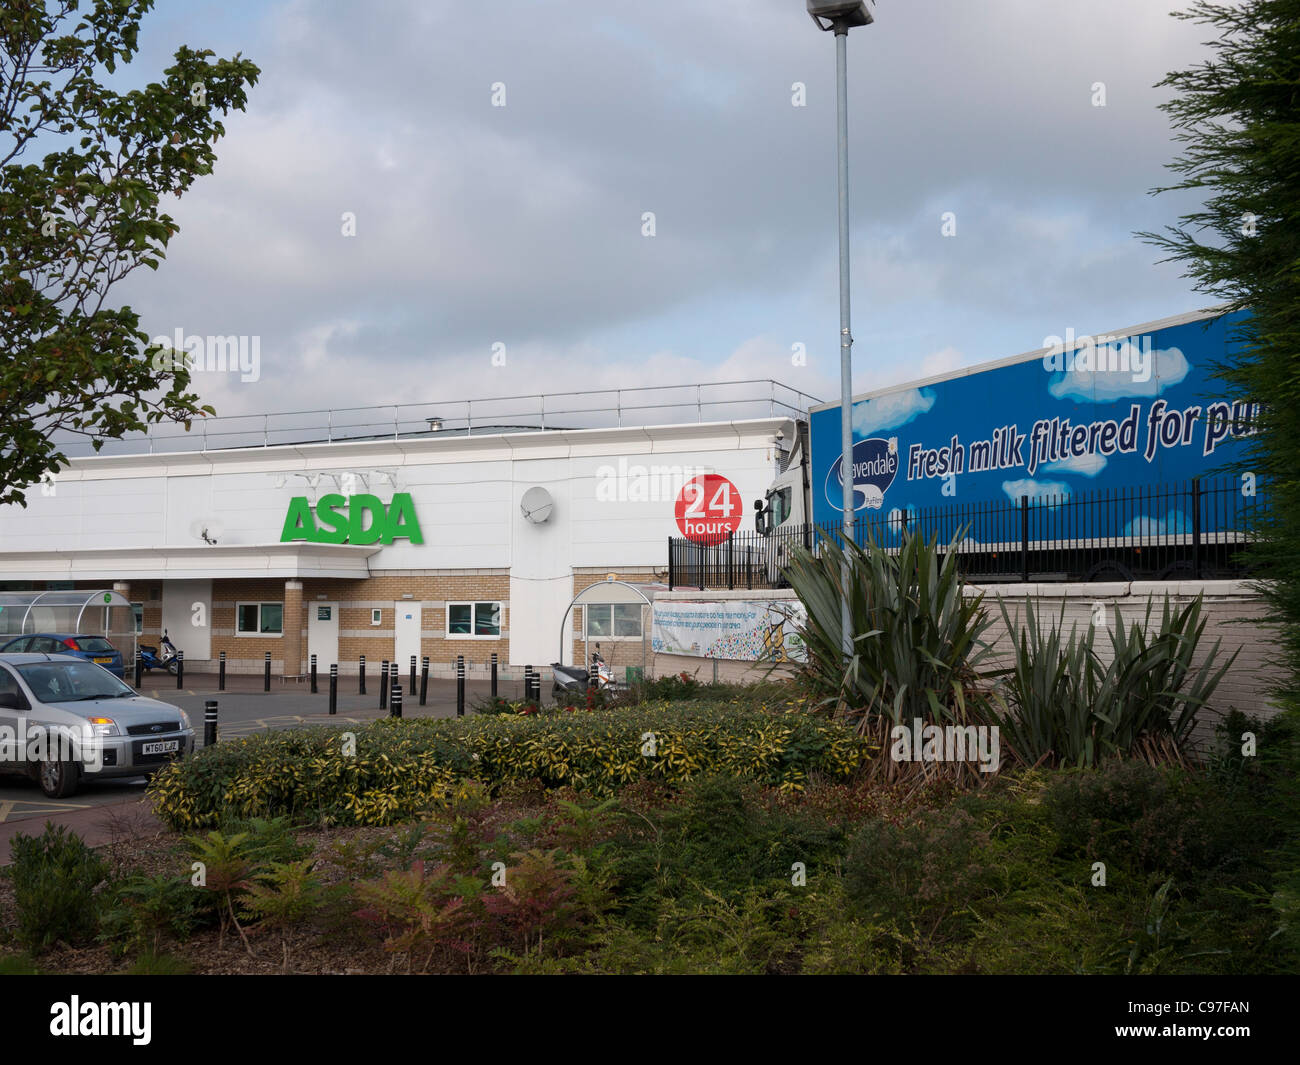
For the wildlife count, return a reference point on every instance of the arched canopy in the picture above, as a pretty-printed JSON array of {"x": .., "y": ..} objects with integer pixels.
[
  {"x": 606, "y": 591},
  {"x": 99, "y": 611}
]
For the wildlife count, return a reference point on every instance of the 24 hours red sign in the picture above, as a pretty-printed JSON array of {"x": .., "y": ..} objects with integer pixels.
[{"x": 709, "y": 509}]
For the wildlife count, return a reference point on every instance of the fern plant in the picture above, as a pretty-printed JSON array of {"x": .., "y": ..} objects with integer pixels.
[
  {"x": 144, "y": 909},
  {"x": 282, "y": 897},
  {"x": 419, "y": 912},
  {"x": 226, "y": 871}
]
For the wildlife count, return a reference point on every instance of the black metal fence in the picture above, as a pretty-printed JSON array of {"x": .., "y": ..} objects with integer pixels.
[{"x": 1175, "y": 531}]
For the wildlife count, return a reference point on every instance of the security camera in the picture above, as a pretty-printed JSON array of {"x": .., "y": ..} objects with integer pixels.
[
  {"x": 780, "y": 434},
  {"x": 833, "y": 14}
]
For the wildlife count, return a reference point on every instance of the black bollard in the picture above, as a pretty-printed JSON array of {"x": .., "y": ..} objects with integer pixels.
[
  {"x": 424, "y": 680},
  {"x": 383, "y": 685},
  {"x": 334, "y": 688},
  {"x": 266, "y": 673},
  {"x": 139, "y": 669},
  {"x": 180, "y": 670},
  {"x": 494, "y": 674},
  {"x": 460, "y": 685},
  {"x": 209, "y": 722},
  {"x": 221, "y": 672},
  {"x": 313, "y": 674},
  {"x": 361, "y": 687},
  {"x": 410, "y": 688},
  {"x": 395, "y": 700}
]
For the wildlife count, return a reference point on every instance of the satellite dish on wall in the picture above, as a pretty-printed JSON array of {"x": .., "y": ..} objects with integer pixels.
[
  {"x": 206, "y": 529},
  {"x": 537, "y": 505}
]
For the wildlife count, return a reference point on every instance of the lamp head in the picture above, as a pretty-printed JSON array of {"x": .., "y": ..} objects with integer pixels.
[{"x": 839, "y": 15}]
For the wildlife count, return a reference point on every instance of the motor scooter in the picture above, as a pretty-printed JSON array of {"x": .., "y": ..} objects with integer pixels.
[
  {"x": 577, "y": 679},
  {"x": 151, "y": 659}
]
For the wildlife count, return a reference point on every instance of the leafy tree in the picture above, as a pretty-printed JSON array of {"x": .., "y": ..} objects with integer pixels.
[
  {"x": 78, "y": 222},
  {"x": 1238, "y": 117}
]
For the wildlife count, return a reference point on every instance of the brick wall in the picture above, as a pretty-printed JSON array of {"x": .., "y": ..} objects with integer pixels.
[
  {"x": 431, "y": 589},
  {"x": 1233, "y": 613}
]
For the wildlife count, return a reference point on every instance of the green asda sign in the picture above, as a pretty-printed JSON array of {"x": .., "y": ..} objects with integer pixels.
[{"x": 361, "y": 519}]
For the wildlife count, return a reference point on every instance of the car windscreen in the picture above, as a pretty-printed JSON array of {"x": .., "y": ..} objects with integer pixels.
[
  {"x": 95, "y": 645},
  {"x": 71, "y": 681}
]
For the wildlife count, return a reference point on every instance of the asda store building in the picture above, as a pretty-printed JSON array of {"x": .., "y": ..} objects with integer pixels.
[{"x": 431, "y": 543}]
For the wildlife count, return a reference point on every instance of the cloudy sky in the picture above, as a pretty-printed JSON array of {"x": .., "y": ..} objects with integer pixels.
[{"x": 522, "y": 225}]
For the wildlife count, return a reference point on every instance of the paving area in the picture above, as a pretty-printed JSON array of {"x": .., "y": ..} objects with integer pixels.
[{"x": 105, "y": 809}]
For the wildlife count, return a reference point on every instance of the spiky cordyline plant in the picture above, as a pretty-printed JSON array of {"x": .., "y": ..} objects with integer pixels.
[
  {"x": 917, "y": 640},
  {"x": 1063, "y": 704}
]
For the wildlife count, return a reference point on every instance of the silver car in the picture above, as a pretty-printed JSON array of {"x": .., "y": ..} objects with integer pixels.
[{"x": 63, "y": 719}]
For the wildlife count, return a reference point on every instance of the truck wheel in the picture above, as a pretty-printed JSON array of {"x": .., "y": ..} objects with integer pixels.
[
  {"x": 57, "y": 779},
  {"x": 1109, "y": 571}
]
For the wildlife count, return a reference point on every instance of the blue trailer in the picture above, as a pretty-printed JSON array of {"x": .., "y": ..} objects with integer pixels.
[{"x": 1116, "y": 455}]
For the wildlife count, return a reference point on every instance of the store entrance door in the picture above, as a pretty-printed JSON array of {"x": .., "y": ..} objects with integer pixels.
[
  {"x": 406, "y": 635},
  {"x": 323, "y": 635}
]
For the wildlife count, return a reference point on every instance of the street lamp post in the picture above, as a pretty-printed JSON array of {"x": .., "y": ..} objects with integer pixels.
[{"x": 839, "y": 16}]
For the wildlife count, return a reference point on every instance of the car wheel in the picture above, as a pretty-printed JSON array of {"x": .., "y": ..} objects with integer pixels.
[{"x": 57, "y": 779}]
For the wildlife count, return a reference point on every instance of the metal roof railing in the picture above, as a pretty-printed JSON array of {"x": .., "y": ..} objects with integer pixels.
[{"x": 592, "y": 409}]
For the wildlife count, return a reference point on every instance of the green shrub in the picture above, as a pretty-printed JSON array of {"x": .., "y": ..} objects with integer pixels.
[
  {"x": 495, "y": 704},
  {"x": 926, "y": 871},
  {"x": 686, "y": 687},
  {"x": 159, "y": 965},
  {"x": 1159, "y": 821},
  {"x": 710, "y": 847},
  {"x": 403, "y": 768},
  {"x": 54, "y": 876},
  {"x": 18, "y": 965}
]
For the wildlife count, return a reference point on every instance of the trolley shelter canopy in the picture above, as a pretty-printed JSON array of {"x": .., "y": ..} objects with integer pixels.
[
  {"x": 610, "y": 591},
  {"x": 101, "y": 612}
]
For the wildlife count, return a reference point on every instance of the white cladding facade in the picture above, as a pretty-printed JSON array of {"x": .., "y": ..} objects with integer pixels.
[{"x": 137, "y": 519}]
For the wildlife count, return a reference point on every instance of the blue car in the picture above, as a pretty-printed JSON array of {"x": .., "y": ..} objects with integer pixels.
[{"x": 92, "y": 648}]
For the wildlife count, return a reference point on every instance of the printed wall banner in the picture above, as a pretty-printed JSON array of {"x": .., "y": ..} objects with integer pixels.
[
  {"x": 1093, "y": 413},
  {"x": 744, "y": 630}
]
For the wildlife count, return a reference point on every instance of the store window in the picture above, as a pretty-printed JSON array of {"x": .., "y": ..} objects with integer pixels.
[
  {"x": 474, "y": 619},
  {"x": 259, "y": 619},
  {"x": 613, "y": 619}
]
